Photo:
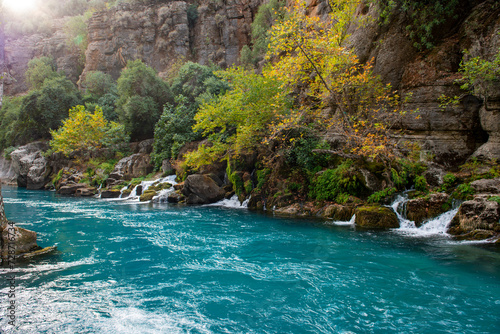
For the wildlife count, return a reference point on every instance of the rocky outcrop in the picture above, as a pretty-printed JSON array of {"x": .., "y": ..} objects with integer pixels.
[
  {"x": 133, "y": 166},
  {"x": 19, "y": 51},
  {"x": 7, "y": 173},
  {"x": 202, "y": 189},
  {"x": 451, "y": 133},
  {"x": 15, "y": 241},
  {"x": 205, "y": 32},
  {"x": 486, "y": 186},
  {"x": 421, "y": 209},
  {"x": 476, "y": 219},
  {"x": 376, "y": 217},
  {"x": 31, "y": 166},
  {"x": 77, "y": 189}
]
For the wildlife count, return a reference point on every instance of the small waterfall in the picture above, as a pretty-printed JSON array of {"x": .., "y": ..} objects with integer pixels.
[
  {"x": 435, "y": 226},
  {"x": 233, "y": 203},
  {"x": 399, "y": 207},
  {"x": 351, "y": 222},
  {"x": 144, "y": 185}
]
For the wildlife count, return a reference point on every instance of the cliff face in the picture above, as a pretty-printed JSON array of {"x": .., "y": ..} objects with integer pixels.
[
  {"x": 215, "y": 31},
  {"x": 19, "y": 51},
  {"x": 212, "y": 32},
  {"x": 453, "y": 133}
]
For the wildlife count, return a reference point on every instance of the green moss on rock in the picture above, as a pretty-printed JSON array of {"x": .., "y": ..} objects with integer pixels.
[
  {"x": 376, "y": 217},
  {"x": 147, "y": 195}
]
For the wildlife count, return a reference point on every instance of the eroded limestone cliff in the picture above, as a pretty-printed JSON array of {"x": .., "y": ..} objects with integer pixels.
[{"x": 215, "y": 31}]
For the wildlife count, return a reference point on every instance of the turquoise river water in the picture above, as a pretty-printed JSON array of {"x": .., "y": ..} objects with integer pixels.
[{"x": 125, "y": 267}]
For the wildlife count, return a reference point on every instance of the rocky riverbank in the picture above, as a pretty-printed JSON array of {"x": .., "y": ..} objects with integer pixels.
[{"x": 477, "y": 218}]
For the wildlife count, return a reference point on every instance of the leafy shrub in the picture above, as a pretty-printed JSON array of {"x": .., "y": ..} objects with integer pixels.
[
  {"x": 424, "y": 16},
  {"x": 43, "y": 110},
  {"x": 142, "y": 95},
  {"x": 39, "y": 70},
  {"x": 494, "y": 199},
  {"x": 464, "y": 191},
  {"x": 262, "y": 176},
  {"x": 300, "y": 152},
  {"x": 9, "y": 118},
  {"x": 241, "y": 118},
  {"x": 96, "y": 84},
  {"x": 380, "y": 196},
  {"x": 421, "y": 183},
  {"x": 333, "y": 182}
]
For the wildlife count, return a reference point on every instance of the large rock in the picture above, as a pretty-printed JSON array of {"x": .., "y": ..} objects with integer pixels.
[
  {"x": 7, "y": 173},
  {"x": 77, "y": 189},
  {"x": 30, "y": 166},
  {"x": 476, "y": 219},
  {"x": 202, "y": 189},
  {"x": 421, "y": 209},
  {"x": 338, "y": 212},
  {"x": 486, "y": 186},
  {"x": 25, "y": 240},
  {"x": 133, "y": 166},
  {"x": 376, "y": 217}
]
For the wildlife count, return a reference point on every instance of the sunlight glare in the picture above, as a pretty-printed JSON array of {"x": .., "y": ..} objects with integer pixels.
[{"x": 20, "y": 6}]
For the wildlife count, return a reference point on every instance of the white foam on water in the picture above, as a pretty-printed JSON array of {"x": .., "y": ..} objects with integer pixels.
[
  {"x": 233, "y": 203},
  {"x": 437, "y": 226},
  {"x": 161, "y": 197},
  {"x": 345, "y": 223}
]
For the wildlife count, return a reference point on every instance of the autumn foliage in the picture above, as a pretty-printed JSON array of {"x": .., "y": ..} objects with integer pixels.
[{"x": 86, "y": 130}]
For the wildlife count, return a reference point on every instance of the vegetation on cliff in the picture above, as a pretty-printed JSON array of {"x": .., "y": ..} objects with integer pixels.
[{"x": 303, "y": 118}]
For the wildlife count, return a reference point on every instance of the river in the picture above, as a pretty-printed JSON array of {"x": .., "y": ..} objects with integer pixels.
[{"x": 125, "y": 267}]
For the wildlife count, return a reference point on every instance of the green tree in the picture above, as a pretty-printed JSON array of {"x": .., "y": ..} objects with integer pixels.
[
  {"x": 86, "y": 130},
  {"x": 193, "y": 84},
  {"x": 43, "y": 110},
  {"x": 97, "y": 84},
  {"x": 240, "y": 119},
  {"x": 9, "y": 117},
  {"x": 40, "y": 69},
  {"x": 142, "y": 95}
]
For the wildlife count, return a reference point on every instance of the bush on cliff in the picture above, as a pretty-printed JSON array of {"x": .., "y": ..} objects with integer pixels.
[
  {"x": 193, "y": 85},
  {"x": 142, "y": 95},
  {"x": 43, "y": 110}
]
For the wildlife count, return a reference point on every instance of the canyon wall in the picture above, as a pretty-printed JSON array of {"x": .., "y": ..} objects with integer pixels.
[{"x": 213, "y": 32}]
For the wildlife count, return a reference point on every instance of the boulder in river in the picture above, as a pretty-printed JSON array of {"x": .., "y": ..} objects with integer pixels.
[
  {"x": 376, "y": 217},
  {"x": 202, "y": 189},
  {"x": 421, "y": 209},
  {"x": 476, "y": 219}
]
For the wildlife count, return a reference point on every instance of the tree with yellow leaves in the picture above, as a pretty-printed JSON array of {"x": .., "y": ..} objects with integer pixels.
[
  {"x": 86, "y": 130},
  {"x": 310, "y": 54}
]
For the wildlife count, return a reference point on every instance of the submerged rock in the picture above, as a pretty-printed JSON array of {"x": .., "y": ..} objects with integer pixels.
[
  {"x": 147, "y": 195},
  {"x": 338, "y": 212},
  {"x": 376, "y": 217},
  {"x": 202, "y": 189}
]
